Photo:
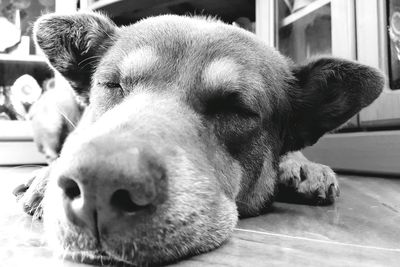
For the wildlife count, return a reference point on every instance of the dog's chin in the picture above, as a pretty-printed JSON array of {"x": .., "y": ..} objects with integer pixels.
[
  {"x": 128, "y": 250},
  {"x": 125, "y": 256},
  {"x": 103, "y": 258},
  {"x": 98, "y": 257},
  {"x": 130, "y": 255},
  {"x": 155, "y": 246}
]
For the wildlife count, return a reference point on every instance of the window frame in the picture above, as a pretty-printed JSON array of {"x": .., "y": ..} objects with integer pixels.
[{"x": 371, "y": 25}]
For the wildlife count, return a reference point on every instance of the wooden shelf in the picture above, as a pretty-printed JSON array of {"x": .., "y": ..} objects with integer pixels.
[
  {"x": 19, "y": 153},
  {"x": 117, "y": 7},
  {"x": 126, "y": 11},
  {"x": 16, "y": 131},
  {"x": 303, "y": 12},
  {"x": 22, "y": 59},
  {"x": 16, "y": 144}
]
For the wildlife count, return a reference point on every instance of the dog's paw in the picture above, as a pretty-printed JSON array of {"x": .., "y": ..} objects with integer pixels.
[
  {"x": 30, "y": 194},
  {"x": 307, "y": 181}
]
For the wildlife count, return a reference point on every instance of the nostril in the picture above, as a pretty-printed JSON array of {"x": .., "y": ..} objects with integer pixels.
[
  {"x": 122, "y": 201},
  {"x": 70, "y": 188}
]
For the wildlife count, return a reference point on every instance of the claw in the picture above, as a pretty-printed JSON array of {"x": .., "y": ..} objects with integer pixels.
[
  {"x": 332, "y": 193},
  {"x": 320, "y": 196},
  {"x": 303, "y": 175},
  {"x": 20, "y": 189},
  {"x": 32, "y": 205}
]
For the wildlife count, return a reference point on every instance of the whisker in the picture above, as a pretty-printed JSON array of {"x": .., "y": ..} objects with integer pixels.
[
  {"x": 88, "y": 63},
  {"x": 66, "y": 118},
  {"x": 109, "y": 36},
  {"x": 64, "y": 253},
  {"x": 101, "y": 260},
  {"x": 88, "y": 58}
]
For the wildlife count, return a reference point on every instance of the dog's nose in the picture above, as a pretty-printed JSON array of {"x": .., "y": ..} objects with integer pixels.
[{"x": 105, "y": 188}]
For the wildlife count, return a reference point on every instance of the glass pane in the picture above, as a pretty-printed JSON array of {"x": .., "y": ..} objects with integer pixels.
[
  {"x": 394, "y": 43},
  {"x": 304, "y": 32}
]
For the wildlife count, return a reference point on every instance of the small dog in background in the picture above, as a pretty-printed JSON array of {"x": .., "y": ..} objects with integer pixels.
[
  {"x": 53, "y": 116},
  {"x": 189, "y": 123}
]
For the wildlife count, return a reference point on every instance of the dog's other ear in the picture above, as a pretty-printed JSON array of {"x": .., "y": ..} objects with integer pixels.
[
  {"x": 326, "y": 93},
  {"x": 74, "y": 44}
]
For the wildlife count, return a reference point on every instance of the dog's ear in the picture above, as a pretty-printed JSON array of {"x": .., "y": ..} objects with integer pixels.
[
  {"x": 326, "y": 93},
  {"x": 74, "y": 44}
]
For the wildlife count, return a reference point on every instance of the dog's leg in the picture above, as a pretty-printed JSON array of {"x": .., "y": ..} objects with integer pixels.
[
  {"x": 301, "y": 180},
  {"x": 30, "y": 194}
]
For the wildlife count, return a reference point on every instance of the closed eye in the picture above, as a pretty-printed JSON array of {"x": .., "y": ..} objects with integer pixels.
[
  {"x": 113, "y": 88},
  {"x": 111, "y": 85},
  {"x": 228, "y": 103}
]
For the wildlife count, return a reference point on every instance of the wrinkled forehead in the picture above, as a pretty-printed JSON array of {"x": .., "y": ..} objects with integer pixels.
[
  {"x": 176, "y": 41},
  {"x": 190, "y": 52}
]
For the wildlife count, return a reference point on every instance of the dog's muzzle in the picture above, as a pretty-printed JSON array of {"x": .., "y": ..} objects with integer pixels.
[{"x": 110, "y": 183}]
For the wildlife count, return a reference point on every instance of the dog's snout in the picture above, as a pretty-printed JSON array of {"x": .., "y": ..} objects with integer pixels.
[{"x": 100, "y": 194}]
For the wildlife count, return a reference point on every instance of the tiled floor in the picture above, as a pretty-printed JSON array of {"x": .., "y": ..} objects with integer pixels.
[{"x": 361, "y": 229}]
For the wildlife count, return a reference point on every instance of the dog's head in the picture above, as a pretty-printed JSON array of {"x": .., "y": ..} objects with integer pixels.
[{"x": 185, "y": 124}]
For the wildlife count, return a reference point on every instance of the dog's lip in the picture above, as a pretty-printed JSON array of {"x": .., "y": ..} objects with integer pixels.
[{"x": 98, "y": 257}]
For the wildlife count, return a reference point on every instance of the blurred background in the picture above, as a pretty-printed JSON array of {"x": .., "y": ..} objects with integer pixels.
[{"x": 363, "y": 30}]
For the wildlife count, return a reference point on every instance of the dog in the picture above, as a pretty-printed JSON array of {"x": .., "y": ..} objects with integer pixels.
[
  {"x": 53, "y": 116},
  {"x": 189, "y": 124}
]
